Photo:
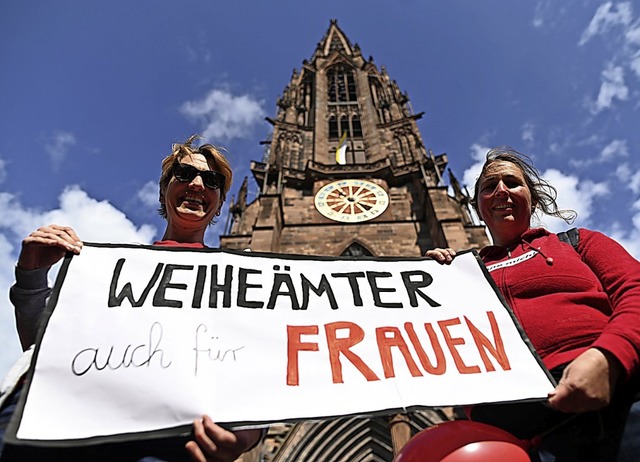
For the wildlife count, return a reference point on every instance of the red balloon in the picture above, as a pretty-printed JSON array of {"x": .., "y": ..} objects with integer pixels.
[{"x": 463, "y": 441}]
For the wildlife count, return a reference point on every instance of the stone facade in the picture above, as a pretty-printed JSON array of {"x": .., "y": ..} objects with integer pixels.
[{"x": 339, "y": 96}]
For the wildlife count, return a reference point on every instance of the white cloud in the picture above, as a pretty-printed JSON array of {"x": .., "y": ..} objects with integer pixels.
[
  {"x": 198, "y": 57},
  {"x": 574, "y": 194},
  {"x": 619, "y": 32},
  {"x": 634, "y": 64},
  {"x": 548, "y": 14},
  {"x": 612, "y": 151},
  {"x": 630, "y": 177},
  {"x": 223, "y": 115},
  {"x": 634, "y": 182},
  {"x": 632, "y": 37},
  {"x": 470, "y": 175},
  {"x": 623, "y": 172},
  {"x": 93, "y": 220},
  {"x": 148, "y": 194},
  {"x": 617, "y": 148},
  {"x": 527, "y": 132},
  {"x": 612, "y": 87},
  {"x": 540, "y": 15},
  {"x": 3, "y": 170},
  {"x": 58, "y": 146},
  {"x": 605, "y": 17},
  {"x": 629, "y": 239},
  {"x": 10, "y": 343},
  {"x": 633, "y": 34}
]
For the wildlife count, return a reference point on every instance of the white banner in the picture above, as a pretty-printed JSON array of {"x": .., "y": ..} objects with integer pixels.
[{"x": 143, "y": 339}]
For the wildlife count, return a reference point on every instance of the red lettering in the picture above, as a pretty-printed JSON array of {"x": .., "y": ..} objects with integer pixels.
[
  {"x": 483, "y": 343},
  {"x": 384, "y": 346},
  {"x": 490, "y": 348},
  {"x": 452, "y": 342},
  {"x": 294, "y": 345},
  {"x": 339, "y": 346},
  {"x": 441, "y": 364}
]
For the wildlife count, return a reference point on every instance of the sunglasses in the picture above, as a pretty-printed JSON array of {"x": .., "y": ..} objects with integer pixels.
[{"x": 187, "y": 173}]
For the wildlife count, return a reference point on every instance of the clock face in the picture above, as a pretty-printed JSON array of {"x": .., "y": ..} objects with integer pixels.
[{"x": 351, "y": 201}]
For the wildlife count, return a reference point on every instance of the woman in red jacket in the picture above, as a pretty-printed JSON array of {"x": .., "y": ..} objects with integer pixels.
[
  {"x": 193, "y": 187},
  {"x": 580, "y": 307}
]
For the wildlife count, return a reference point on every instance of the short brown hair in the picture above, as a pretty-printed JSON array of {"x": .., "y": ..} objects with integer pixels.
[{"x": 215, "y": 158}]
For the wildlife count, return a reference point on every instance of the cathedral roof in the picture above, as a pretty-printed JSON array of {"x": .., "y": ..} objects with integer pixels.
[{"x": 334, "y": 40}]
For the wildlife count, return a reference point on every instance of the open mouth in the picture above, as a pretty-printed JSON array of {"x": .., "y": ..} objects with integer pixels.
[{"x": 193, "y": 201}]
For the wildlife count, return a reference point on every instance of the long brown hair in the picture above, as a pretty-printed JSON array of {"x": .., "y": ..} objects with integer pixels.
[{"x": 543, "y": 195}]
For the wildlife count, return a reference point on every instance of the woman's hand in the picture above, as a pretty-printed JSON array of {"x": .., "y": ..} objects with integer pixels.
[
  {"x": 215, "y": 444},
  {"x": 442, "y": 256},
  {"x": 587, "y": 383},
  {"x": 47, "y": 245}
]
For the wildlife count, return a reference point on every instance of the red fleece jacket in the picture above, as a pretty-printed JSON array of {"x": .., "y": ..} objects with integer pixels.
[{"x": 570, "y": 301}]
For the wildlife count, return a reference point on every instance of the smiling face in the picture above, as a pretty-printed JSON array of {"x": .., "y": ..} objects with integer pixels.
[
  {"x": 191, "y": 205},
  {"x": 504, "y": 201}
]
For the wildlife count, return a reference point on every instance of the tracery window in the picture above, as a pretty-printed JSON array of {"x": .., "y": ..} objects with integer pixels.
[
  {"x": 356, "y": 131},
  {"x": 349, "y": 125},
  {"x": 344, "y": 112},
  {"x": 341, "y": 85},
  {"x": 334, "y": 133},
  {"x": 344, "y": 126}
]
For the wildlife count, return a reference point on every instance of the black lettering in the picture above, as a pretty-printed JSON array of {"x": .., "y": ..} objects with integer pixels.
[
  {"x": 413, "y": 286},
  {"x": 89, "y": 358},
  {"x": 243, "y": 286},
  {"x": 375, "y": 290},
  {"x": 199, "y": 288},
  {"x": 215, "y": 353},
  {"x": 127, "y": 291},
  {"x": 225, "y": 287},
  {"x": 278, "y": 280},
  {"x": 353, "y": 282},
  {"x": 323, "y": 287},
  {"x": 159, "y": 298}
]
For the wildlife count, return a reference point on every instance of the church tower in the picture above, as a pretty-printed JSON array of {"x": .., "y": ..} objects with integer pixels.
[{"x": 346, "y": 173}]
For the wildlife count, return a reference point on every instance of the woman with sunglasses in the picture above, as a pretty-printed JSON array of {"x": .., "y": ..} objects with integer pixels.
[{"x": 193, "y": 186}]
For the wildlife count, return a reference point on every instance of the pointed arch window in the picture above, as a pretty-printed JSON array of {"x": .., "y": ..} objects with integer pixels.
[
  {"x": 341, "y": 85},
  {"x": 344, "y": 125},
  {"x": 356, "y": 250},
  {"x": 404, "y": 143},
  {"x": 349, "y": 125},
  {"x": 400, "y": 149},
  {"x": 356, "y": 131},
  {"x": 334, "y": 133}
]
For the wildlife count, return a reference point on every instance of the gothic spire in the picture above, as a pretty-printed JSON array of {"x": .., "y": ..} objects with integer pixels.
[{"x": 334, "y": 40}]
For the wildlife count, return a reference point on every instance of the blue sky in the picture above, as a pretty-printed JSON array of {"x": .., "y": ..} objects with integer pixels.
[{"x": 93, "y": 93}]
